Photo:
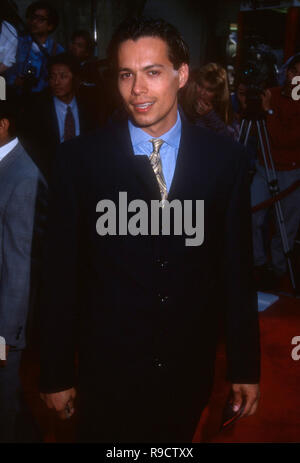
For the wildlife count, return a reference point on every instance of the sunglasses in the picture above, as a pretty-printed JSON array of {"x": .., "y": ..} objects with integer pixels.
[{"x": 38, "y": 17}]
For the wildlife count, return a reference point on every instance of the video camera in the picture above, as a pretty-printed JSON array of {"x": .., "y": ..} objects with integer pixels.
[{"x": 258, "y": 73}]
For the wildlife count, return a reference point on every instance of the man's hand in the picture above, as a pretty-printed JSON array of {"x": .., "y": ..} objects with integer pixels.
[
  {"x": 203, "y": 107},
  {"x": 248, "y": 394},
  {"x": 62, "y": 402}
]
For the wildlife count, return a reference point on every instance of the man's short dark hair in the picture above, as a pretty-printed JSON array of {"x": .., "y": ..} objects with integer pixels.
[
  {"x": 67, "y": 60},
  {"x": 8, "y": 111},
  {"x": 87, "y": 37},
  {"x": 135, "y": 28},
  {"x": 53, "y": 17}
]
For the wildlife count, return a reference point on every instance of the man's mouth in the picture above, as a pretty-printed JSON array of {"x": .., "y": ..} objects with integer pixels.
[{"x": 142, "y": 107}]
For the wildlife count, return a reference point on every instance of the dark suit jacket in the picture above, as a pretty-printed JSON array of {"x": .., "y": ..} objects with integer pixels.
[
  {"x": 41, "y": 132},
  {"x": 148, "y": 304}
]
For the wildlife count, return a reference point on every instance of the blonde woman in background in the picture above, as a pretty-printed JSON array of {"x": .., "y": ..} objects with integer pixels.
[{"x": 206, "y": 100}]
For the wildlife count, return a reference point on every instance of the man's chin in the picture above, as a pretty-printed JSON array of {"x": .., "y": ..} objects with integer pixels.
[{"x": 140, "y": 121}]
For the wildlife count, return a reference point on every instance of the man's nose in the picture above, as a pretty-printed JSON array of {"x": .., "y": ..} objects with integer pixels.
[
  {"x": 55, "y": 80},
  {"x": 139, "y": 85}
]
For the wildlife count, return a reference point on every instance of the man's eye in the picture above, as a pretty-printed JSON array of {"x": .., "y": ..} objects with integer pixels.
[
  {"x": 125, "y": 75},
  {"x": 153, "y": 73}
]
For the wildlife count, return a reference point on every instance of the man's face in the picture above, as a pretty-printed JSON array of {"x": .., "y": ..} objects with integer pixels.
[
  {"x": 61, "y": 81},
  {"x": 79, "y": 48},
  {"x": 38, "y": 23},
  {"x": 148, "y": 83}
]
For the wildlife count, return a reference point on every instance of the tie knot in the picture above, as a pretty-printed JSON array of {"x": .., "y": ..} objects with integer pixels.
[{"x": 156, "y": 142}]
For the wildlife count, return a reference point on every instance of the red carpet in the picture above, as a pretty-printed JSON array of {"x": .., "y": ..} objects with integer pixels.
[{"x": 278, "y": 416}]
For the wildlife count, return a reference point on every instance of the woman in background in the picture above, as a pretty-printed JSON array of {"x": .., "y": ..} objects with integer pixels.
[{"x": 206, "y": 100}]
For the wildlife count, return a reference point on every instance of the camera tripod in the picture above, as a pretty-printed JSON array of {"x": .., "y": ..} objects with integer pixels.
[{"x": 258, "y": 122}]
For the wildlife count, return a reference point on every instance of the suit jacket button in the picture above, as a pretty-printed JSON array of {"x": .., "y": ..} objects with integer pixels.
[
  {"x": 157, "y": 363},
  {"x": 163, "y": 264},
  {"x": 163, "y": 299},
  {"x": 19, "y": 333}
]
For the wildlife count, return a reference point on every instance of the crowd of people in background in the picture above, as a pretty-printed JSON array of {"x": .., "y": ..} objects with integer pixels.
[
  {"x": 62, "y": 93},
  {"x": 55, "y": 94}
]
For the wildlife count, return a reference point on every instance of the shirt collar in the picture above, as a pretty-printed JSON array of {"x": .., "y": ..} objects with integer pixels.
[
  {"x": 172, "y": 137},
  {"x": 60, "y": 104},
  {"x": 45, "y": 45},
  {"x": 5, "y": 149}
]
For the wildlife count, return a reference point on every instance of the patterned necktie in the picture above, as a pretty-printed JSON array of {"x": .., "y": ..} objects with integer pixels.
[
  {"x": 69, "y": 130},
  {"x": 157, "y": 167}
]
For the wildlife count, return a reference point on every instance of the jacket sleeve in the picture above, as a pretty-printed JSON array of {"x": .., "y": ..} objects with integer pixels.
[
  {"x": 15, "y": 279},
  {"x": 241, "y": 318},
  {"x": 59, "y": 287}
]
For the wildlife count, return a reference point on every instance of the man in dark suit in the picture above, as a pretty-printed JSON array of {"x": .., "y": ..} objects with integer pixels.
[
  {"x": 57, "y": 115},
  {"x": 22, "y": 195},
  {"x": 142, "y": 307}
]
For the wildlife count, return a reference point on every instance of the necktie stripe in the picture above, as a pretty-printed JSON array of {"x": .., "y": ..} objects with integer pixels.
[
  {"x": 155, "y": 161},
  {"x": 69, "y": 129}
]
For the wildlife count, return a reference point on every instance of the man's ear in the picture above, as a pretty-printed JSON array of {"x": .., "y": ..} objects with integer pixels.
[
  {"x": 183, "y": 73},
  {"x": 4, "y": 125}
]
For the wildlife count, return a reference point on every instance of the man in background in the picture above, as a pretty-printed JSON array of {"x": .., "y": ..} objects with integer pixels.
[
  {"x": 29, "y": 74},
  {"x": 22, "y": 201},
  {"x": 58, "y": 114},
  {"x": 95, "y": 83}
]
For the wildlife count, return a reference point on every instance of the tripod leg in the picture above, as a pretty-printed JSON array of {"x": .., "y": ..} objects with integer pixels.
[
  {"x": 240, "y": 137},
  {"x": 244, "y": 131},
  {"x": 274, "y": 190},
  {"x": 259, "y": 192}
]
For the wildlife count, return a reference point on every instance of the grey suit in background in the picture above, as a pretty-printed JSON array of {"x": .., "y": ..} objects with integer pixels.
[{"x": 22, "y": 213}]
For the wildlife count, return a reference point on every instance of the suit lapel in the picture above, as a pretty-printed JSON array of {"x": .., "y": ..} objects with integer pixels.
[
  {"x": 138, "y": 165},
  {"x": 181, "y": 179},
  {"x": 11, "y": 156},
  {"x": 53, "y": 122},
  {"x": 190, "y": 180},
  {"x": 82, "y": 116}
]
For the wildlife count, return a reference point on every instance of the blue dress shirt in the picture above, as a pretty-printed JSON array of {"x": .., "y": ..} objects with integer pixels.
[
  {"x": 168, "y": 152},
  {"x": 61, "y": 112}
]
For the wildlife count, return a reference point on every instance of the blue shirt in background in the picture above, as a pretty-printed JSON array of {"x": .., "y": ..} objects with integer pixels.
[{"x": 30, "y": 57}]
